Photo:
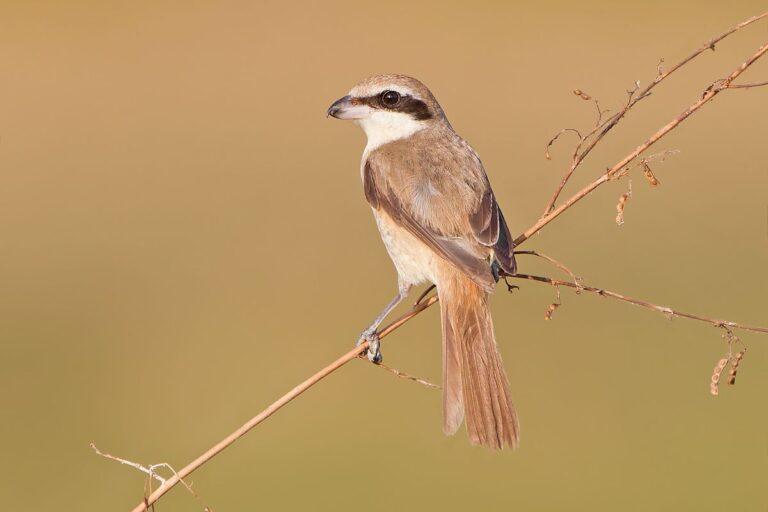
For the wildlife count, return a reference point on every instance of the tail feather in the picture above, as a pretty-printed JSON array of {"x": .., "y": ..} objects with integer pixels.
[
  {"x": 475, "y": 384},
  {"x": 453, "y": 408}
]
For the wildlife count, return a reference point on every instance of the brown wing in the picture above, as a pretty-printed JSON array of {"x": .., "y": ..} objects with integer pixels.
[
  {"x": 451, "y": 221},
  {"x": 434, "y": 185},
  {"x": 490, "y": 229}
]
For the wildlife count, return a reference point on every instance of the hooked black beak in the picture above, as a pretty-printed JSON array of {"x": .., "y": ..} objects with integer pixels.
[
  {"x": 338, "y": 107},
  {"x": 344, "y": 108}
]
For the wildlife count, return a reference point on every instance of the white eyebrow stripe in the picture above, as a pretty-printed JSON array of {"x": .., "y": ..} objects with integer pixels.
[{"x": 359, "y": 91}]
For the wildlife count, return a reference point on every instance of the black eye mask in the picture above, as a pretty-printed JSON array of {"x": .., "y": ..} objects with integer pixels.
[{"x": 406, "y": 104}]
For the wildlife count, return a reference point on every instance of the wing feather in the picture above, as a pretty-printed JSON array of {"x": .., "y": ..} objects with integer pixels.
[
  {"x": 454, "y": 249},
  {"x": 434, "y": 185},
  {"x": 490, "y": 229}
]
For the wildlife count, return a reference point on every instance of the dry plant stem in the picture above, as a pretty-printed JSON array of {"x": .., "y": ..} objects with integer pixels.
[
  {"x": 149, "y": 471},
  {"x": 403, "y": 375},
  {"x": 274, "y": 407},
  {"x": 611, "y": 173},
  {"x": 637, "y": 302},
  {"x": 553, "y": 261},
  {"x": 747, "y": 86},
  {"x": 353, "y": 354},
  {"x": 357, "y": 351},
  {"x": 579, "y": 155}
]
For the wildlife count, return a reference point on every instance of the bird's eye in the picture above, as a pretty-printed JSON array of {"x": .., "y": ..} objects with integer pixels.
[{"x": 390, "y": 98}]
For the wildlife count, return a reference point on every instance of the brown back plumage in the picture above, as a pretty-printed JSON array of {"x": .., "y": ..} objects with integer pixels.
[{"x": 435, "y": 184}]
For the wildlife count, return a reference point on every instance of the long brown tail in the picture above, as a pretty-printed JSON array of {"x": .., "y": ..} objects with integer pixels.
[{"x": 475, "y": 385}]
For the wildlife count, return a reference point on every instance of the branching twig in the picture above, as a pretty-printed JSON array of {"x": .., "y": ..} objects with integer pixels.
[
  {"x": 668, "y": 312},
  {"x": 635, "y": 97},
  {"x": 552, "y": 212},
  {"x": 276, "y": 406},
  {"x": 354, "y": 353},
  {"x": 149, "y": 471},
  {"x": 556, "y": 263},
  {"x": 710, "y": 93}
]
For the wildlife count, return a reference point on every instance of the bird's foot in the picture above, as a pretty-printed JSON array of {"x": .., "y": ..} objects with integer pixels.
[{"x": 374, "y": 345}]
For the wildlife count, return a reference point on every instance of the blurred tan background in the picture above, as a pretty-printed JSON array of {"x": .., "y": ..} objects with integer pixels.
[{"x": 185, "y": 237}]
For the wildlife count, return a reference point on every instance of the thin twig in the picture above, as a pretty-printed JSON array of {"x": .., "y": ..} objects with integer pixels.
[
  {"x": 612, "y": 121},
  {"x": 668, "y": 312},
  {"x": 747, "y": 86},
  {"x": 149, "y": 471},
  {"x": 556, "y": 263},
  {"x": 417, "y": 309},
  {"x": 712, "y": 91},
  {"x": 557, "y": 136},
  {"x": 402, "y": 374},
  {"x": 354, "y": 353},
  {"x": 276, "y": 406}
]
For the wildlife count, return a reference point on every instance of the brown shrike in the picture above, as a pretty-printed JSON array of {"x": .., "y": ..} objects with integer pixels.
[{"x": 441, "y": 223}]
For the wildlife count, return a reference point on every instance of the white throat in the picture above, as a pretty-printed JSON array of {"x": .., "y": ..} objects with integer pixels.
[{"x": 383, "y": 127}]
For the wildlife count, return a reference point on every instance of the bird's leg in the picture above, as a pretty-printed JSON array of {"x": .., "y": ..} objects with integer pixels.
[{"x": 370, "y": 334}]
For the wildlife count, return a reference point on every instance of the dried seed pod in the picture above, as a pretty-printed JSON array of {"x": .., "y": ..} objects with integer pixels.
[
  {"x": 649, "y": 175},
  {"x": 623, "y": 198},
  {"x": 551, "y": 309},
  {"x": 715, "y": 380},
  {"x": 581, "y": 94},
  {"x": 735, "y": 367}
]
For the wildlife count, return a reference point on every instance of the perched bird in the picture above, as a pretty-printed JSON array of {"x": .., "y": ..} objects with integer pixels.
[{"x": 440, "y": 223}]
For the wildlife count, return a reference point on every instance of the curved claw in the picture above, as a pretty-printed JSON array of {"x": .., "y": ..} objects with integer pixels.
[
  {"x": 374, "y": 349},
  {"x": 374, "y": 345}
]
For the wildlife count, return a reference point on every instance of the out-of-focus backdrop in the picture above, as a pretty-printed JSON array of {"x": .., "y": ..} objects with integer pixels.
[{"x": 184, "y": 238}]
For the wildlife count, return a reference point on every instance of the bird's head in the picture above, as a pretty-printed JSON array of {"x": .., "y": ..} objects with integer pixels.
[{"x": 389, "y": 107}]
